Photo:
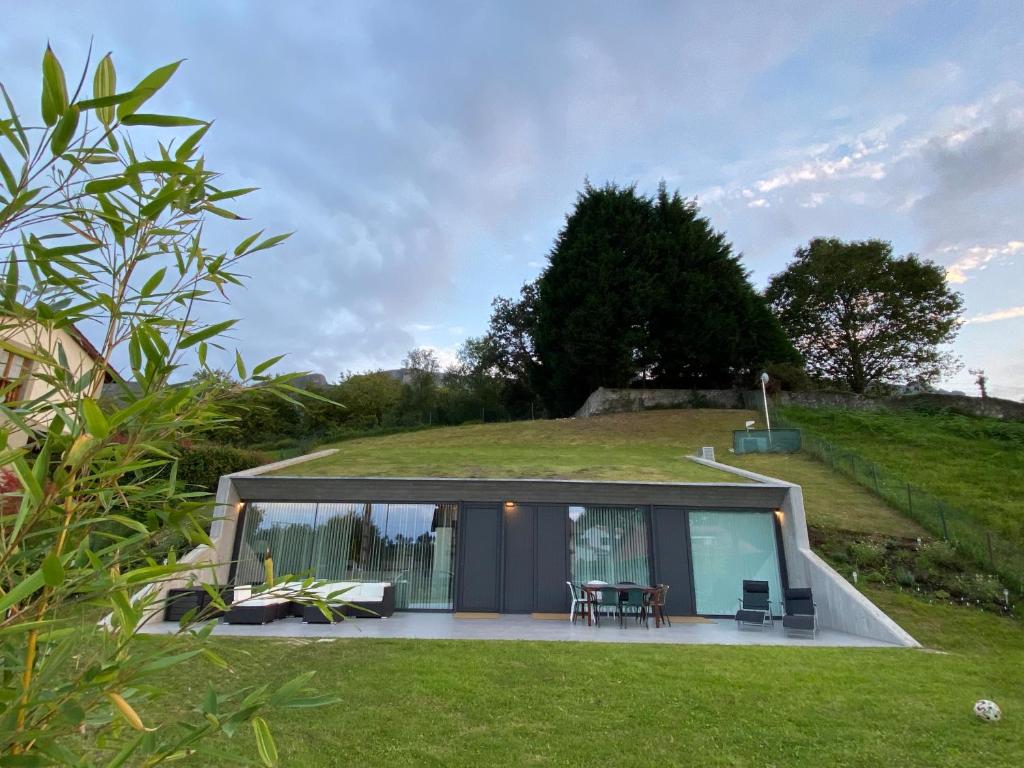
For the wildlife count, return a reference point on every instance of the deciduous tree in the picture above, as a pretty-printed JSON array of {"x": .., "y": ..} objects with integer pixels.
[{"x": 864, "y": 317}]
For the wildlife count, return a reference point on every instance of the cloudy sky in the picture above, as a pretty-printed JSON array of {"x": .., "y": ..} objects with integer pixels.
[{"x": 426, "y": 153}]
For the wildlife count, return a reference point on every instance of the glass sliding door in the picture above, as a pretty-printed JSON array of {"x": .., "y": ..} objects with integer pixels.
[
  {"x": 284, "y": 530},
  {"x": 410, "y": 545},
  {"x": 727, "y": 548},
  {"x": 609, "y": 544}
]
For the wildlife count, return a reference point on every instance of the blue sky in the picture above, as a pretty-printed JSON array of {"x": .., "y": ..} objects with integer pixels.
[{"x": 427, "y": 153}]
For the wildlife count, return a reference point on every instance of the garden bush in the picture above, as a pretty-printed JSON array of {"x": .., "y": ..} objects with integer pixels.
[{"x": 201, "y": 466}]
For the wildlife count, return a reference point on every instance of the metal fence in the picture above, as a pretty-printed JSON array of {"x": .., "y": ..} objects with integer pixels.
[{"x": 986, "y": 547}]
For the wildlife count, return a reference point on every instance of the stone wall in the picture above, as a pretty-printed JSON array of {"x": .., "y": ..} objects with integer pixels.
[{"x": 605, "y": 400}]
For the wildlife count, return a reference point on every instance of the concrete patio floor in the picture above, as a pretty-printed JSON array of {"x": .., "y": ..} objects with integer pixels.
[{"x": 445, "y": 626}]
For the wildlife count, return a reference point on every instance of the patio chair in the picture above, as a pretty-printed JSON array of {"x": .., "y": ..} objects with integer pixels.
[
  {"x": 609, "y": 601},
  {"x": 633, "y": 602},
  {"x": 657, "y": 606},
  {"x": 580, "y": 605},
  {"x": 755, "y": 606},
  {"x": 801, "y": 616}
]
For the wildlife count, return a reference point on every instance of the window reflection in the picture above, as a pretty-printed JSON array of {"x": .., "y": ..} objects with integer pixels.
[{"x": 410, "y": 545}]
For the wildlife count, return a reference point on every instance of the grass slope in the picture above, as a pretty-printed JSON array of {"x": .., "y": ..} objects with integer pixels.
[
  {"x": 974, "y": 463},
  {"x": 636, "y": 446},
  {"x": 644, "y": 446},
  {"x": 473, "y": 703}
]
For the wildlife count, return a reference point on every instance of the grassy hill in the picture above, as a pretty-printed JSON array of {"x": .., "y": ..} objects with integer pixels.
[
  {"x": 636, "y": 446},
  {"x": 474, "y": 703},
  {"x": 976, "y": 464}
]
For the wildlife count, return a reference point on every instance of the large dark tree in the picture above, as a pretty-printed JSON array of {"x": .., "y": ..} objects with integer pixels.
[
  {"x": 864, "y": 317},
  {"x": 642, "y": 289}
]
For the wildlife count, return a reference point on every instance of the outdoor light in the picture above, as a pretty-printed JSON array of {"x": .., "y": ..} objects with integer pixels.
[
  {"x": 509, "y": 504},
  {"x": 764, "y": 394},
  {"x": 778, "y": 513},
  {"x": 750, "y": 424}
]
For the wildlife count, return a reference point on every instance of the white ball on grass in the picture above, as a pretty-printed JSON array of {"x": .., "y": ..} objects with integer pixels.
[{"x": 987, "y": 710}]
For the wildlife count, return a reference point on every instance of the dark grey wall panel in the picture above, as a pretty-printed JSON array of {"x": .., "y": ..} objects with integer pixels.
[
  {"x": 670, "y": 535},
  {"x": 520, "y": 529},
  {"x": 478, "y": 556},
  {"x": 435, "y": 489},
  {"x": 552, "y": 559}
]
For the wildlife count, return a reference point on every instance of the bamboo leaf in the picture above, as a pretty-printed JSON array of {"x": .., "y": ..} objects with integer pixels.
[
  {"x": 240, "y": 365},
  {"x": 231, "y": 193},
  {"x": 266, "y": 365},
  {"x": 23, "y": 589},
  {"x": 53, "y": 570},
  {"x": 158, "y": 166},
  {"x": 264, "y": 742},
  {"x": 105, "y": 185},
  {"x": 206, "y": 333},
  {"x": 160, "y": 121},
  {"x": 9, "y": 180},
  {"x": 22, "y": 143},
  {"x": 242, "y": 246},
  {"x": 55, "y": 90},
  {"x": 65, "y": 130},
  {"x": 188, "y": 146},
  {"x": 270, "y": 242},
  {"x": 95, "y": 421},
  {"x": 149, "y": 85},
  {"x": 153, "y": 282},
  {"x": 104, "y": 84}
]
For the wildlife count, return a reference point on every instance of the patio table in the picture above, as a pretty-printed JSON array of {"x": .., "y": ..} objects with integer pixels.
[{"x": 593, "y": 590}]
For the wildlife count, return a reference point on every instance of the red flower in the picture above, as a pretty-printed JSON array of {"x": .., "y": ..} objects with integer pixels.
[{"x": 10, "y": 488}]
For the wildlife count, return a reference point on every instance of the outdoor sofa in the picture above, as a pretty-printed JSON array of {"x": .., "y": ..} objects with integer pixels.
[{"x": 361, "y": 599}]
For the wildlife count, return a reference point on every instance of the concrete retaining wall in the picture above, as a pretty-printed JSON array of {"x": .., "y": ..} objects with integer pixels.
[
  {"x": 840, "y": 605},
  {"x": 604, "y": 400}
]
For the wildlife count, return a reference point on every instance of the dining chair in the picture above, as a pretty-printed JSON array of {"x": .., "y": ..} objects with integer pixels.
[
  {"x": 657, "y": 606},
  {"x": 633, "y": 602},
  {"x": 580, "y": 602},
  {"x": 609, "y": 600}
]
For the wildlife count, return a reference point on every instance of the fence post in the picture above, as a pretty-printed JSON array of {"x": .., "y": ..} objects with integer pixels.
[
  {"x": 991, "y": 557},
  {"x": 945, "y": 531},
  {"x": 874, "y": 475},
  {"x": 910, "y": 501}
]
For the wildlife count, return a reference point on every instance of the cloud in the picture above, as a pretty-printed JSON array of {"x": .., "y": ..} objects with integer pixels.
[
  {"x": 976, "y": 257},
  {"x": 1011, "y": 313}
]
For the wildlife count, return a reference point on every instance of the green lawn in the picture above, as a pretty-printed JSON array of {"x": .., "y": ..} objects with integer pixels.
[
  {"x": 473, "y": 703},
  {"x": 642, "y": 446},
  {"x": 976, "y": 464}
]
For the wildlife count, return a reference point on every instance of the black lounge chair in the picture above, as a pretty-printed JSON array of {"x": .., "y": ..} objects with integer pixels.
[
  {"x": 755, "y": 606},
  {"x": 801, "y": 613}
]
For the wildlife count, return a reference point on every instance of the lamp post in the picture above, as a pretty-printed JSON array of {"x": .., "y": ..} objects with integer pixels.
[{"x": 764, "y": 395}]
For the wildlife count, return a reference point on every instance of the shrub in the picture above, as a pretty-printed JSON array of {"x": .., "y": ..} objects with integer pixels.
[
  {"x": 866, "y": 554},
  {"x": 904, "y": 577},
  {"x": 940, "y": 556},
  {"x": 201, "y": 466}
]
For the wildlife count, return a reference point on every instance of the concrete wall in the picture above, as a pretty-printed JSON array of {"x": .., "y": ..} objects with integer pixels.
[
  {"x": 603, "y": 400},
  {"x": 840, "y": 605}
]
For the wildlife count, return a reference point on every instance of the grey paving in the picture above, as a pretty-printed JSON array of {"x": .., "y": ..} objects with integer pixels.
[{"x": 444, "y": 626}]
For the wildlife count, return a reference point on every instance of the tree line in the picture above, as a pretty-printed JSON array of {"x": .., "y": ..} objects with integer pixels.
[{"x": 642, "y": 291}]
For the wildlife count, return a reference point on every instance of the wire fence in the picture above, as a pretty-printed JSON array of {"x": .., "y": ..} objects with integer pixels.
[{"x": 986, "y": 547}]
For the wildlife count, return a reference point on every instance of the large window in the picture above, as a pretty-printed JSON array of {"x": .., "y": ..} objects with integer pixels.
[
  {"x": 410, "y": 545},
  {"x": 608, "y": 544},
  {"x": 729, "y": 547}
]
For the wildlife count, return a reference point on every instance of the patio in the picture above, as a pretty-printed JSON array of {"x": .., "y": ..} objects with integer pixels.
[{"x": 445, "y": 626}]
